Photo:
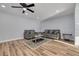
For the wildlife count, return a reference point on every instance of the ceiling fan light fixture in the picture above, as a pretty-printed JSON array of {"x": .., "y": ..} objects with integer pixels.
[{"x": 24, "y": 9}]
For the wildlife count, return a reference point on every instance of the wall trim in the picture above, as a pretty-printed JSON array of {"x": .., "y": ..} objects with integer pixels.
[
  {"x": 64, "y": 43},
  {"x": 19, "y": 38},
  {"x": 77, "y": 41}
]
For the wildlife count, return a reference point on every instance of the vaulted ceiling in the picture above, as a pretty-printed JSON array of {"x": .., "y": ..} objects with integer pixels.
[{"x": 42, "y": 10}]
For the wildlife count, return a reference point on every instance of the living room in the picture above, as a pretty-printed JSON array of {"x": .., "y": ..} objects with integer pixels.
[{"x": 46, "y": 25}]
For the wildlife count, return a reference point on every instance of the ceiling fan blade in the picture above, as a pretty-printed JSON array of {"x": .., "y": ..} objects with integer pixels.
[
  {"x": 31, "y": 5},
  {"x": 16, "y": 7},
  {"x": 23, "y": 4},
  {"x": 30, "y": 10}
]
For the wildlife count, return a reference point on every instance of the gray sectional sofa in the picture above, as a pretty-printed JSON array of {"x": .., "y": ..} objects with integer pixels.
[
  {"x": 55, "y": 34},
  {"x": 29, "y": 34}
]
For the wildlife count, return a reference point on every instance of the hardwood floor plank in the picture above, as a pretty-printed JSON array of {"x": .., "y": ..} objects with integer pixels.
[
  {"x": 1, "y": 51},
  {"x": 52, "y": 48}
]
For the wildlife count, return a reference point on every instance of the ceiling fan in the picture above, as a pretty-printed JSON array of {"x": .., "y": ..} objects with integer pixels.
[{"x": 25, "y": 7}]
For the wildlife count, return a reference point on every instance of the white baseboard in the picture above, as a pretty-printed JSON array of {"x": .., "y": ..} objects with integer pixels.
[
  {"x": 11, "y": 39},
  {"x": 77, "y": 46},
  {"x": 65, "y": 43}
]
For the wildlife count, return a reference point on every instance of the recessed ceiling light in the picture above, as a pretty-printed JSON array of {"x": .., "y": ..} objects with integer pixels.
[
  {"x": 3, "y": 6},
  {"x": 57, "y": 11}
]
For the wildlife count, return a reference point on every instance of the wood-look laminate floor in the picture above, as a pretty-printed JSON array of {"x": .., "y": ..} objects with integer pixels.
[{"x": 51, "y": 48}]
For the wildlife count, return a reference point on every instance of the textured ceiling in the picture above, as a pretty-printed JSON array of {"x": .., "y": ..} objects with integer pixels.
[{"x": 42, "y": 10}]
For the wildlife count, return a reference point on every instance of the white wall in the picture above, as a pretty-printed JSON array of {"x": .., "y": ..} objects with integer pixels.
[
  {"x": 12, "y": 27},
  {"x": 65, "y": 23},
  {"x": 38, "y": 26},
  {"x": 77, "y": 25}
]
